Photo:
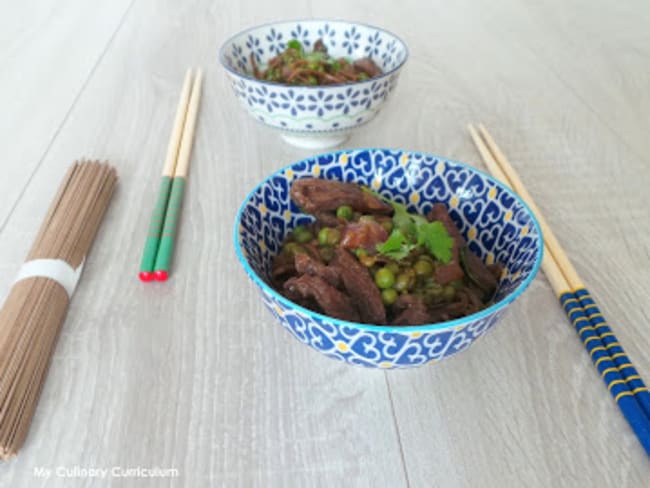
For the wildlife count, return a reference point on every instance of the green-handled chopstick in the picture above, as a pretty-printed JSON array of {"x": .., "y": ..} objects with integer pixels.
[
  {"x": 158, "y": 215},
  {"x": 621, "y": 377},
  {"x": 173, "y": 210}
]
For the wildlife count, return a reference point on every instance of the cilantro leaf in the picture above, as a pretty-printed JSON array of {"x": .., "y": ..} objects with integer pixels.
[
  {"x": 403, "y": 220},
  {"x": 295, "y": 44},
  {"x": 411, "y": 231},
  {"x": 435, "y": 238},
  {"x": 396, "y": 246}
]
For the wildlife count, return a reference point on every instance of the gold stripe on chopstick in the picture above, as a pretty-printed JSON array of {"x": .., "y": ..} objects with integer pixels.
[
  {"x": 596, "y": 349},
  {"x": 622, "y": 394},
  {"x": 577, "y": 319},
  {"x": 612, "y": 384},
  {"x": 608, "y": 370},
  {"x": 601, "y": 359}
]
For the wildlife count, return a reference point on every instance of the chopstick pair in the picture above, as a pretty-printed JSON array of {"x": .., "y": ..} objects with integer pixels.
[
  {"x": 615, "y": 367},
  {"x": 159, "y": 246}
]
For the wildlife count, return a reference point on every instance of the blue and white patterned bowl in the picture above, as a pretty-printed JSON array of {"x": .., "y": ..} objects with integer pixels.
[
  {"x": 496, "y": 223},
  {"x": 313, "y": 116}
]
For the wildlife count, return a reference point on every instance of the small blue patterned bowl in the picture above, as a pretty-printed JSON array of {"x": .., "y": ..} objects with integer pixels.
[
  {"x": 496, "y": 223},
  {"x": 313, "y": 116}
]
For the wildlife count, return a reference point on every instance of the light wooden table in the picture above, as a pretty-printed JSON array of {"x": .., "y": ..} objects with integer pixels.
[{"x": 194, "y": 375}]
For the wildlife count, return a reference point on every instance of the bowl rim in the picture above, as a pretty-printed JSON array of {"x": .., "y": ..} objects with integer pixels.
[
  {"x": 438, "y": 326},
  {"x": 234, "y": 72}
]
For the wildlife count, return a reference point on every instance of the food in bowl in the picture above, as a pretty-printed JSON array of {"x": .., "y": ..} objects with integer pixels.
[
  {"x": 295, "y": 66},
  {"x": 496, "y": 224},
  {"x": 313, "y": 116},
  {"x": 367, "y": 259}
]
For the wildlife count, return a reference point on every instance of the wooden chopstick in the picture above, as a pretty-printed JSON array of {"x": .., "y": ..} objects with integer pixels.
[
  {"x": 173, "y": 210},
  {"x": 158, "y": 214},
  {"x": 606, "y": 352}
]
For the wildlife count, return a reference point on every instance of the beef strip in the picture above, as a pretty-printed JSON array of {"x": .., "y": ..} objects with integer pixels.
[
  {"x": 415, "y": 315},
  {"x": 319, "y": 47},
  {"x": 328, "y": 219},
  {"x": 439, "y": 212},
  {"x": 368, "y": 66},
  {"x": 449, "y": 272},
  {"x": 413, "y": 311},
  {"x": 316, "y": 196},
  {"x": 283, "y": 267},
  {"x": 478, "y": 272},
  {"x": 307, "y": 265},
  {"x": 474, "y": 267},
  {"x": 496, "y": 269},
  {"x": 332, "y": 301},
  {"x": 360, "y": 286},
  {"x": 452, "y": 270},
  {"x": 449, "y": 311}
]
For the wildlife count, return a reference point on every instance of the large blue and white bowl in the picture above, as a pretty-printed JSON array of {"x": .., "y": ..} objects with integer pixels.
[
  {"x": 313, "y": 116},
  {"x": 496, "y": 223}
]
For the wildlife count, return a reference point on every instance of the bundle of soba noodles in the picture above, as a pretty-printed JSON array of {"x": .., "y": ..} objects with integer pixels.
[{"x": 33, "y": 313}]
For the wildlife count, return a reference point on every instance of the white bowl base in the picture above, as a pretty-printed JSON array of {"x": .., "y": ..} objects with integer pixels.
[{"x": 316, "y": 141}]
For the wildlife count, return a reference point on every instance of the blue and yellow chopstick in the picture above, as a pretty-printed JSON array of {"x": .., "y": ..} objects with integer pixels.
[
  {"x": 619, "y": 374},
  {"x": 614, "y": 348}
]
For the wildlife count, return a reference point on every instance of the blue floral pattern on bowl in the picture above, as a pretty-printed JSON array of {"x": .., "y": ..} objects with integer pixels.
[
  {"x": 497, "y": 224},
  {"x": 312, "y": 110}
]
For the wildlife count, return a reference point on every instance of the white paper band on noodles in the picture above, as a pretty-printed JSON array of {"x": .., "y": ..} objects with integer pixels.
[{"x": 55, "y": 269}]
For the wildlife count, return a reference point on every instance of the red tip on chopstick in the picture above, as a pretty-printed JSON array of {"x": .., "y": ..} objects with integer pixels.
[
  {"x": 161, "y": 275},
  {"x": 146, "y": 276}
]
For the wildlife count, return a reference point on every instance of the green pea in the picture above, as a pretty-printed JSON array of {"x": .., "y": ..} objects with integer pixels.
[
  {"x": 360, "y": 252},
  {"x": 388, "y": 296},
  {"x": 302, "y": 235},
  {"x": 322, "y": 236},
  {"x": 344, "y": 212},
  {"x": 367, "y": 260},
  {"x": 334, "y": 237},
  {"x": 433, "y": 288},
  {"x": 293, "y": 248},
  {"x": 387, "y": 225},
  {"x": 448, "y": 292},
  {"x": 423, "y": 268},
  {"x": 384, "y": 278},
  {"x": 329, "y": 236},
  {"x": 402, "y": 282},
  {"x": 394, "y": 267},
  {"x": 327, "y": 253}
]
